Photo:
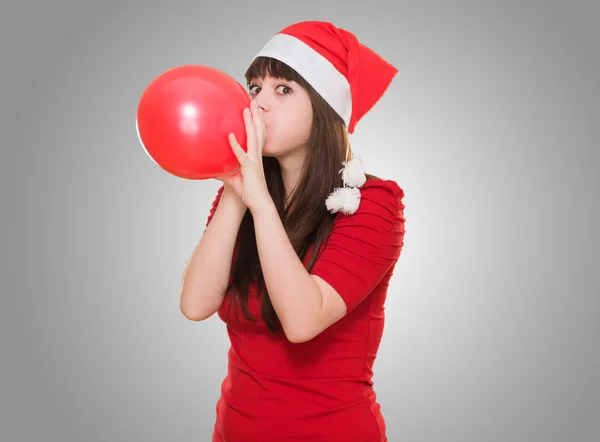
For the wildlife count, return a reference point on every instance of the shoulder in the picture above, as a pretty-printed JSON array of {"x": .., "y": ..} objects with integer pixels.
[
  {"x": 380, "y": 208},
  {"x": 382, "y": 189},
  {"x": 380, "y": 196}
]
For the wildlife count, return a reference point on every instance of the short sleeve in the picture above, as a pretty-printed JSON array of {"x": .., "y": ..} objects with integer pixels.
[
  {"x": 362, "y": 247},
  {"x": 215, "y": 203}
]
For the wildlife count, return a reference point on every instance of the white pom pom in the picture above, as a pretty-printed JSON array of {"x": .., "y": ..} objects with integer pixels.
[
  {"x": 345, "y": 199},
  {"x": 353, "y": 173}
]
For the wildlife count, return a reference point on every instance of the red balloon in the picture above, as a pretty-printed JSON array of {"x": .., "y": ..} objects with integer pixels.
[{"x": 184, "y": 118}]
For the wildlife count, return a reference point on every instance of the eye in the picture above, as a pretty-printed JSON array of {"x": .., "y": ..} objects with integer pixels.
[
  {"x": 285, "y": 88},
  {"x": 252, "y": 90},
  {"x": 282, "y": 89}
]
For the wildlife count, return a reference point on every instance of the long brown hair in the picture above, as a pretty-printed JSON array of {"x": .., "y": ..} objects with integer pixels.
[{"x": 305, "y": 217}]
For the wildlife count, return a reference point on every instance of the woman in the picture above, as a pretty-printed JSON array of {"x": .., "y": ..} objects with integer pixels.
[{"x": 296, "y": 258}]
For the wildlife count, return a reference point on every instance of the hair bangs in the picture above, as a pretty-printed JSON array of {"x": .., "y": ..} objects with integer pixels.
[{"x": 263, "y": 66}]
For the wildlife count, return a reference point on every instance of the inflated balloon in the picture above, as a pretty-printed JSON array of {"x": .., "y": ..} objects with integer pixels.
[{"x": 184, "y": 118}]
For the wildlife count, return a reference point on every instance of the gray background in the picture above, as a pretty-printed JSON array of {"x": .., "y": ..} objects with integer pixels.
[{"x": 491, "y": 128}]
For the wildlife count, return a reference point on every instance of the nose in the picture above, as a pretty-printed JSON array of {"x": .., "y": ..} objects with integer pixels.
[{"x": 261, "y": 101}]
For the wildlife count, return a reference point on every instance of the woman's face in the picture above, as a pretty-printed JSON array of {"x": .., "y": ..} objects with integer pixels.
[{"x": 287, "y": 113}]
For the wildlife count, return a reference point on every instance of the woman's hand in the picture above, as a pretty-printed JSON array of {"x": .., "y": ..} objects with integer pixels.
[
  {"x": 229, "y": 179},
  {"x": 250, "y": 183}
]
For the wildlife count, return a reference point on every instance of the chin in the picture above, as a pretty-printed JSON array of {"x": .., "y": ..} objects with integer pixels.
[
  {"x": 276, "y": 151},
  {"x": 268, "y": 150}
]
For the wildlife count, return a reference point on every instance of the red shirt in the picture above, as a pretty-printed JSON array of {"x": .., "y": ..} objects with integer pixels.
[{"x": 322, "y": 389}]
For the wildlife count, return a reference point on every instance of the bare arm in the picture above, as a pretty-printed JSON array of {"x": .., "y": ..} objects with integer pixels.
[
  {"x": 367, "y": 244},
  {"x": 207, "y": 272},
  {"x": 305, "y": 305}
]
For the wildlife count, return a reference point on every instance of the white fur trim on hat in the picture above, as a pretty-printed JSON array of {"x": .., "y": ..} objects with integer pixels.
[
  {"x": 344, "y": 199},
  {"x": 347, "y": 198},
  {"x": 353, "y": 173},
  {"x": 320, "y": 73}
]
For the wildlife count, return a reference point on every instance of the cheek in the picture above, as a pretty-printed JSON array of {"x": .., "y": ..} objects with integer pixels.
[
  {"x": 295, "y": 133},
  {"x": 305, "y": 123},
  {"x": 290, "y": 128},
  {"x": 300, "y": 123}
]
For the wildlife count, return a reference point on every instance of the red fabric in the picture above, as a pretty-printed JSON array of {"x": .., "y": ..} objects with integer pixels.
[
  {"x": 215, "y": 203},
  {"x": 320, "y": 390}
]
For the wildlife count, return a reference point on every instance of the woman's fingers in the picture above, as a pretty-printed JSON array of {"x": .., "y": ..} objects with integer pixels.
[
  {"x": 259, "y": 127},
  {"x": 238, "y": 151},
  {"x": 250, "y": 133}
]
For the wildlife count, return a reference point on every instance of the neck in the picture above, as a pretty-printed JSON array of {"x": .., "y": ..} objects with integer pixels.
[{"x": 291, "y": 168}]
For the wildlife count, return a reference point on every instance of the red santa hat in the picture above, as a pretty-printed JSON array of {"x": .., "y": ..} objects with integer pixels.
[{"x": 349, "y": 76}]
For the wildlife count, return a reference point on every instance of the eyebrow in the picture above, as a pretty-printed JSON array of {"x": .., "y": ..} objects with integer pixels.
[{"x": 274, "y": 79}]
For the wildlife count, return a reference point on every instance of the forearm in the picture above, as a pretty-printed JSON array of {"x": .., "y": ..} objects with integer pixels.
[
  {"x": 295, "y": 296},
  {"x": 207, "y": 272}
]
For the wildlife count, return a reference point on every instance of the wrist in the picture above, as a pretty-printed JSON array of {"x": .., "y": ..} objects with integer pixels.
[
  {"x": 265, "y": 208},
  {"x": 229, "y": 196}
]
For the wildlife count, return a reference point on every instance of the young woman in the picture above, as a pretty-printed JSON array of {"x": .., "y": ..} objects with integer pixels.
[{"x": 296, "y": 258}]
